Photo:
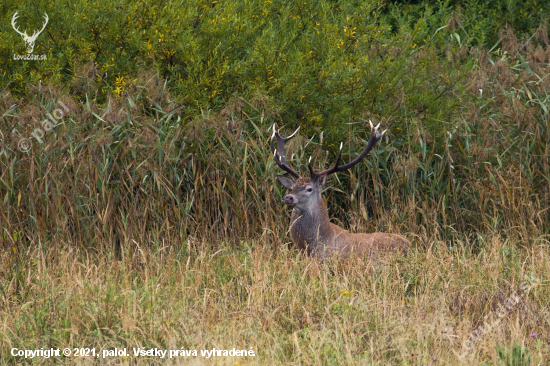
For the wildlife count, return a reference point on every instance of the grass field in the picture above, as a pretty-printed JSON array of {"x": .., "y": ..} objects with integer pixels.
[
  {"x": 149, "y": 215},
  {"x": 287, "y": 308}
]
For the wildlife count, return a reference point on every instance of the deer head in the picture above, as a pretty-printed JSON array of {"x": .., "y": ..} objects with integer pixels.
[
  {"x": 304, "y": 192},
  {"x": 29, "y": 40}
]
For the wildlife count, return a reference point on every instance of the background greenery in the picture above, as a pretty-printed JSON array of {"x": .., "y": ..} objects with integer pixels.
[
  {"x": 164, "y": 154},
  {"x": 321, "y": 63}
]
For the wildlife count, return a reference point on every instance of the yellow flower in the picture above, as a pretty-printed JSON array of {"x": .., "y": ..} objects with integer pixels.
[
  {"x": 347, "y": 293},
  {"x": 119, "y": 85}
]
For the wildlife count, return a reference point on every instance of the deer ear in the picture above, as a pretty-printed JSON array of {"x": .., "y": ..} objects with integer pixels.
[
  {"x": 286, "y": 182},
  {"x": 321, "y": 179}
]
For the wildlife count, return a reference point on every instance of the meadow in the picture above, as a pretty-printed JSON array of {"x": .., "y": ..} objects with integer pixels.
[{"x": 149, "y": 215}]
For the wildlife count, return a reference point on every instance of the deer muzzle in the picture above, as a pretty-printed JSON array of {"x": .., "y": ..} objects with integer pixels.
[{"x": 290, "y": 199}]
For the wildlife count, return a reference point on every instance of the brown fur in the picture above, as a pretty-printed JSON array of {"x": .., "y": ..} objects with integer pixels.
[{"x": 312, "y": 231}]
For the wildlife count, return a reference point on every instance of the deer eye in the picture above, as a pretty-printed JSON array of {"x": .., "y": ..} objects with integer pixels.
[{"x": 310, "y": 189}]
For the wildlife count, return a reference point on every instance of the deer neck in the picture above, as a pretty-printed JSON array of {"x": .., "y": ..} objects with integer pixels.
[{"x": 310, "y": 228}]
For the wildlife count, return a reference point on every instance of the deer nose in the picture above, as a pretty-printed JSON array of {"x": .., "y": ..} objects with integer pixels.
[{"x": 289, "y": 200}]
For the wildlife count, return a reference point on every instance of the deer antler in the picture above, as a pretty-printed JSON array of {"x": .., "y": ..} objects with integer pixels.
[
  {"x": 374, "y": 137},
  {"x": 36, "y": 33},
  {"x": 279, "y": 153},
  {"x": 24, "y": 34}
]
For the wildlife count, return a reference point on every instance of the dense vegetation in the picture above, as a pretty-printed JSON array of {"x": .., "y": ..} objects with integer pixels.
[{"x": 161, "y": 154}]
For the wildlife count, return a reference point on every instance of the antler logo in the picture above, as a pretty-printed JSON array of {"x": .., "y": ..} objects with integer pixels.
[{"x": 29, "y": 40}]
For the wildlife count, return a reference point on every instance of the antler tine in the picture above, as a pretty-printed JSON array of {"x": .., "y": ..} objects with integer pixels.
[
  {"x": 339, "y": 155},
  {"x": 279, "y": 152},
  {"x": 43, "y": 26},
  {"x": 13, "y": 19},
  {"x": 374, "y": 137},
  {"x": 310, "y": 169}
]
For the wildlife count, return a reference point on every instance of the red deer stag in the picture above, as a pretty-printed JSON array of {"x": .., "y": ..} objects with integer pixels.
[{"x": 310, "y": 226}]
